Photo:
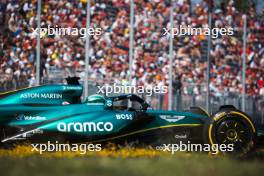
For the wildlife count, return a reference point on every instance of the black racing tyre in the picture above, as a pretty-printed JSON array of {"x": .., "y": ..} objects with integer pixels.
[
  {"x": 1, "y": 133},
  {"x": 4, "y": 145},
  {"x": 1, "y": 137},
  {"x": 233, "y": 128}
]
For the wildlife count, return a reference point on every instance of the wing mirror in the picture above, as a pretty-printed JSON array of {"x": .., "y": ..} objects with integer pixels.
[{"x": 108, "y": 104}]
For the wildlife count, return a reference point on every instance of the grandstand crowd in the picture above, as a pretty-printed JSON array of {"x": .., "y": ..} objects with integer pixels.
[{"x": 109, "y": 56}]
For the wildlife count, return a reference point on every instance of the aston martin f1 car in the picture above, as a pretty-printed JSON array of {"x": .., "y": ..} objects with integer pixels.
[{"x": 56, "y": 112}]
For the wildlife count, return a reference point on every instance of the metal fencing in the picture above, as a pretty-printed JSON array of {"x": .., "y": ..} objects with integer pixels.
[{"x": 180, "y": 100}]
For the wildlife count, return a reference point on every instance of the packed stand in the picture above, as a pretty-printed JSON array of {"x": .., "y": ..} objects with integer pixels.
[{"x": 109, "y": 52}]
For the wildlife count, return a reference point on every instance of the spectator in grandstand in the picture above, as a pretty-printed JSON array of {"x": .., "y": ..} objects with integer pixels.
[{"x": 109, "y": 52}]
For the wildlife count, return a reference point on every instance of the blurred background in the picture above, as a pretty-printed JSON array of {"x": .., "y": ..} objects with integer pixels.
[{"x": 139, "y": 54}]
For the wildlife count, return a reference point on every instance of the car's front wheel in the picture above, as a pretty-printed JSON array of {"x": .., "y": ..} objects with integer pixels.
[{"x": 231, "y": 128}]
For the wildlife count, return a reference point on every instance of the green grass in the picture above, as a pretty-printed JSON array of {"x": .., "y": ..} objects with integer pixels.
[{"x": 166, "y": 165}]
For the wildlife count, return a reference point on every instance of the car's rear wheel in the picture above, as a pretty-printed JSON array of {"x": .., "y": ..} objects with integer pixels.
[
  {"x": 233, "y": 128},
  {"x": 5, "y": 133}
]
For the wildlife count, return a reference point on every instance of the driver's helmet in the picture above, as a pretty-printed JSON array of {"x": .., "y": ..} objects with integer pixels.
[{"x": 96, "y": 99}]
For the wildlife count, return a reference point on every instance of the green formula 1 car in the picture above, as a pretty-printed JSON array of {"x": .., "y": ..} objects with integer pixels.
[{"x": 56, "y": 112}]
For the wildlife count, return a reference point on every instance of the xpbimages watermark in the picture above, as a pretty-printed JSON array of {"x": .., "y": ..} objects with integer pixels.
[
  {"x": 59, "y": 31},
  {"x": 124, "y": 89},
  {"x": 59, "y": 147},
  {"x": 189, "y": 147},
  {"x": 189, "y": 30}
]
